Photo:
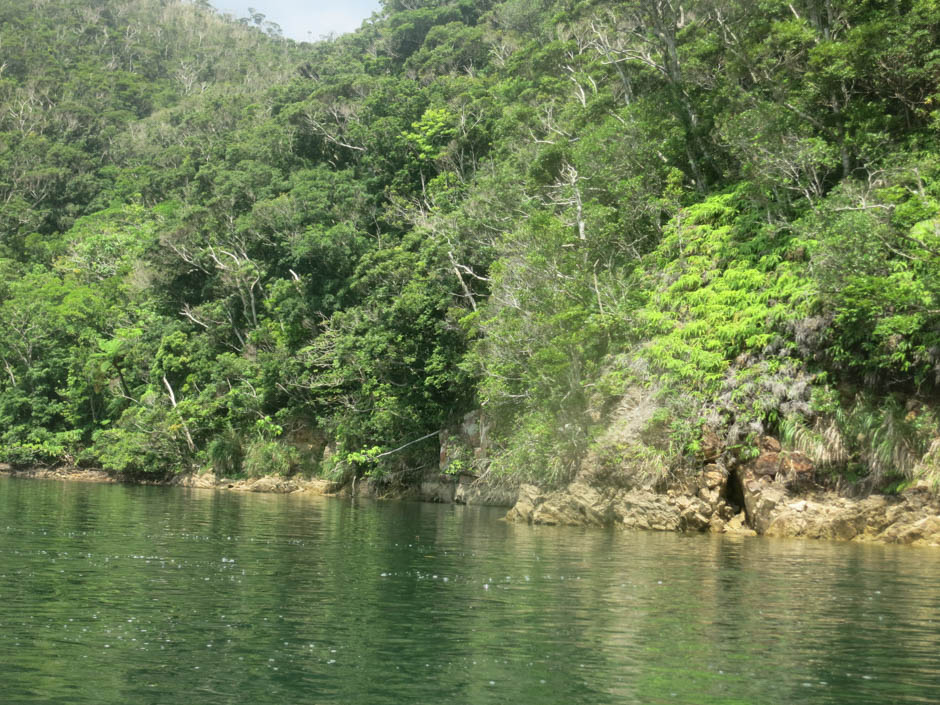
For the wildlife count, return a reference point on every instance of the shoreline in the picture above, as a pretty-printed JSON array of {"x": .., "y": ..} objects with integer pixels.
[
  {"x": 770, "y": 509},
  {"x": 271, "y": 484},
  {"x": 737, "y": 503}
]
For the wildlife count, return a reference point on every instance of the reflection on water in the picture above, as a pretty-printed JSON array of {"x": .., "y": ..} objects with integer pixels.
[{"x": 112, "y": 594}]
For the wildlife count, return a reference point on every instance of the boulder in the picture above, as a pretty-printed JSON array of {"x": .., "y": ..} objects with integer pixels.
[
  {"x": 796, "y": 462},
  {"x": 768, "y": 444},
  {"x": 761, "y": 498},
  {"x": 767, "y": 464},
  {"x": 773, "y": 462}
]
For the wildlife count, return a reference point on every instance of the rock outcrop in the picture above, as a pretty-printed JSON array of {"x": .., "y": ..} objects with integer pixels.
[
  {"x": 466, "y": 489},
  {"x": 582, "y": 504},
  {"x": 462, "y": 468},
  {"x": 270, "y": 483},
  {"x": 912, "y": 517},
  {"x": 771, "y": 494},
  {"x": 464, "y": 447}
]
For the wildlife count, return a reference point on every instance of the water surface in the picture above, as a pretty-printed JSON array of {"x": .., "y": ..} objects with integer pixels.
[{"x": 116, "y": 594}]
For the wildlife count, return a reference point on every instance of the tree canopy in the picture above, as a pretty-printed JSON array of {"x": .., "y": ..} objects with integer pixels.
[{"x": 223, "y": 248}]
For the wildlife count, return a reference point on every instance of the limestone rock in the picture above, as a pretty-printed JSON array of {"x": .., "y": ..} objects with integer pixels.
[
  {"x": 317, "y": 485},
  {"x": 696, "y": 516},
  {"x": 711, "y": 497},
  {"x": 523, "y": 510},
  {"x": 578, "y": 504},
  {"x": 205, "y": 480},
  {"x": 275, "y": 485},
  {"x": 470, "y": 490},
  {"x": 769, "y": 444},
  {"x": 711, "y": 445},
  {"x": 738, "y": 525},
  {"x": 642, "y": 509},
  {"x": 773, "y": 510},
  {"x": 581, "y": 504},
  {"x": 65, "y": 473},
  {"x": 715, "y": 477},
  {"x": 467, "y": 443},
  {"x": 761, "y": 498},
  {"x": 439, "y": 488}
]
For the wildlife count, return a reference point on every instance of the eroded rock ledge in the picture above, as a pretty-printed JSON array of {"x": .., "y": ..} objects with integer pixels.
[
  {"x": 771, "y": 495},
  {"x": 911, "y": 518}
]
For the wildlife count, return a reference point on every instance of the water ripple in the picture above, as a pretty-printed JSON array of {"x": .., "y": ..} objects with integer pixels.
[{"x": 168, "y": 595}]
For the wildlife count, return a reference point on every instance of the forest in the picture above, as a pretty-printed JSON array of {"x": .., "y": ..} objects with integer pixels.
[{"x": 224, "y": 250}]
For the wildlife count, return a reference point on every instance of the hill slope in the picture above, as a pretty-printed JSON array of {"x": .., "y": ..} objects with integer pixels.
[{"x": 222, "y": 248}]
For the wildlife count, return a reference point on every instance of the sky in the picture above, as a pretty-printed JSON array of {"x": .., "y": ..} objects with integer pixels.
[{"x": 305, "y": 20}]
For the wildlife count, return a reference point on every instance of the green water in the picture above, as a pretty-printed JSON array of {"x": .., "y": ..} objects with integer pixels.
[{"x": 113, "y": 594}]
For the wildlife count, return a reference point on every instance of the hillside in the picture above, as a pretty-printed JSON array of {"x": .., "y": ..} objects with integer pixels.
[{"x": 630, "y": 232}]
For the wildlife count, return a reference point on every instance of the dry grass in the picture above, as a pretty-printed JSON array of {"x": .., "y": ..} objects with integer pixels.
[
  {"x": 928, "y": 469},
  {"x": 884, "y": 442},
  {"x": 630, "y": 452},
  {"x": 823, "y": 442}
]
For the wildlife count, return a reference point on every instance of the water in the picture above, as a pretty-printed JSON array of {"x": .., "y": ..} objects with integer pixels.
[{"x": 113, "y": 594}]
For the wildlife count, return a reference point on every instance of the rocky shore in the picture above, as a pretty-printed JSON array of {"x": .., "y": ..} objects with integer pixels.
[
  {"x": 912, "y": 517},
  {"x": 770, "y": 495},
  {"x": 269, "y": 483}
]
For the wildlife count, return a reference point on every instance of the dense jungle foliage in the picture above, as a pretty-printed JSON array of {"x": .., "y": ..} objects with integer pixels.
[{"x": 220, "y": 248}]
